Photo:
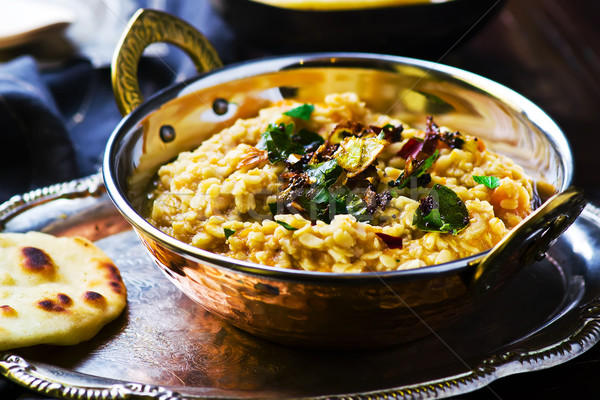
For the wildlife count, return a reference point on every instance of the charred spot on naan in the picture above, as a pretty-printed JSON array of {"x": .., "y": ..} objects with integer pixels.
[
  {"x": 95, "y": 299},
  {"x": 59, "y": 305},
  {"x": 64, "y": 299},
  {"x": 37, "y": 261},
  {"x": 50, "y": 306},
  {"x": 8, "y": 311},
  {"x": 114, "y": 277}
]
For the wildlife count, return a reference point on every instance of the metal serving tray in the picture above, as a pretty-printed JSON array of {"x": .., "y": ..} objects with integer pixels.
[{"x": 164, "y": 346}]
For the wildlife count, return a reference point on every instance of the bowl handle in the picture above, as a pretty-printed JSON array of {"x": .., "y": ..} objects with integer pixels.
[
  {"x": 528, "y": 241},
  {"x": 147, "y": 27}
]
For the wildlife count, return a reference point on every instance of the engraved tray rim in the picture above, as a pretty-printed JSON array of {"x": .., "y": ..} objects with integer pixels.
[{"x": 63, "y": 383}]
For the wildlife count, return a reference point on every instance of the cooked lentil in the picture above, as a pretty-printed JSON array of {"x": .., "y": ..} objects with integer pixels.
[{"x": 229, "y": 183}]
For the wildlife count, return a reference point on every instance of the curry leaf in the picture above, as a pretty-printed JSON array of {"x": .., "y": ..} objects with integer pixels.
[
  {"x": 308, "y": 139},
  {"x": 228, "y": 232},
  {"x": 277, "y": 140},
  {"x": 273, "y": 208},
  {"x": 286, "y": 226},
  {"x": 303, "y": 112},
  {"x": 418, "y": 172},
  {"x": 323, "y": 176},
  {"x": 441, "y": 211},
  {"x": 326, "y": 197},
  {"x": 357, "y": 207},
  {"x": 347, "y": 202},
  {"x": 491, "y": 182}
]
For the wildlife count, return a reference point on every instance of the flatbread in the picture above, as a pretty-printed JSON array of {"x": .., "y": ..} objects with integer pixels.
[{"x": 55, "y": 290}]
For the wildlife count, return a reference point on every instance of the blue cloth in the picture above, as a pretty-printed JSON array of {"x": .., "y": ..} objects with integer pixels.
[
  {"x": 36, "y": 150},
  {"x": 55, "y": 123}
]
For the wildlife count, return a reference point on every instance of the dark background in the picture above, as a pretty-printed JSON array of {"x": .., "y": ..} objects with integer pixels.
[{"x": 547, "y": 50}]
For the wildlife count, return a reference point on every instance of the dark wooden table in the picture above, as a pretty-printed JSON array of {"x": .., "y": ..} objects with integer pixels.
[{"x": 549, "y": 51}]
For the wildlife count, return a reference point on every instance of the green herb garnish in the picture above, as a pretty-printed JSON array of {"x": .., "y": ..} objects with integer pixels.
[
  {"x": 316, "y": 198},
  {"x": 308, "y": 139},
  {"x": 343, "y": 201},
  {"x": 277, "y": 140},
  {"x": 417, "y": 173},
  {"x": 303, "y": 112},
  {"x": 273, "y": 208},
  {"x": 354, "y": 206},
  {"x": 286, "y": 226},
  {"x": 228, "y": 232},
  {"x": 388, "y": 130},
  {"x": 323, "y": 176},
  {"x": 441, "y": 211},
  {"x": 491, "y": 182}
]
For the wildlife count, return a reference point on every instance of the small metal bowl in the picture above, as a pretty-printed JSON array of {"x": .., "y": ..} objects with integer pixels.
[
  {"x": 408, "y": 28},
  {"x": 315, "y": 308}
]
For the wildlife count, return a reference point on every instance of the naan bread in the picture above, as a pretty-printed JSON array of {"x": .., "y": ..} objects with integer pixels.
[{"x": 55, "y": 290}]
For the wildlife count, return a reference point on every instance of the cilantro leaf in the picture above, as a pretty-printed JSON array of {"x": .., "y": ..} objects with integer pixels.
[
  {"x": 441, "y": 211},
  {"x": 228, "y": 232},
  {"x": 277, "y": 140},
  {"x": 303, "y": 112},
  {"x": 491, "y": 182},
  {"x": 286, "y": 226}
]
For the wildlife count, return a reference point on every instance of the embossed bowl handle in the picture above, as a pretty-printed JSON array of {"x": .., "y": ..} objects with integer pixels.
[
  {"x": 528, "y": 241},
  {"x": 147, "y": 27}
]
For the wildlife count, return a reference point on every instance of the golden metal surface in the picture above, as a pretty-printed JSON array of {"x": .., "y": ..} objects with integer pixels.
[
  {"x": 147, "y": 27},
  {"x": 529, "y": 241},
  {"x": 166, "y": 347},
  {"x": 320, "y": 309},
  {"x": 319, "y": 314}
]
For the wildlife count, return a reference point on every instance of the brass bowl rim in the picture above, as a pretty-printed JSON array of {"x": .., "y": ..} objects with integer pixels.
[{"x": 251, "y": 68}]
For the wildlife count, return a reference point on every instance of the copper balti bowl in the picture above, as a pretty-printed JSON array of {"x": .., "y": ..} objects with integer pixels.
[{"x": 317, "y": 308}]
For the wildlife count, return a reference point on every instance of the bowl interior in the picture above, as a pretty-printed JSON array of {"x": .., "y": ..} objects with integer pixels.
[{"x": 405, "y": 88}]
